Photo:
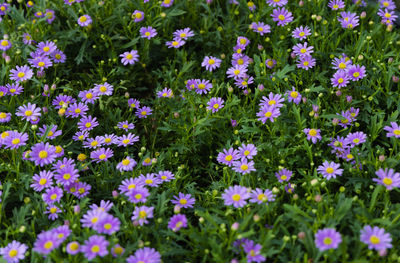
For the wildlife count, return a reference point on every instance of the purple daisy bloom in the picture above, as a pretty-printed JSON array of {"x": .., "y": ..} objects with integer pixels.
[
  {"x": 389, "y": 4},
  {"x": 41, "y": 62},
  {"x": 53, "y": 212},
  {"x": 356, "y": 138},
  {"x": 203, "y": 86},
  {"x": 336, "y": 4},
  {"x": 80, "y": 135},
  {"x": 253, "y": 251},
  {"x": 46, "y": 48},
  {"x": 15, "y": 140},
  {"x": 356, "y": 72},
  {"x": 247, "y": 151},
  {"x": 105, "y": 206},
  {"x": 177, "y": 222},
  {"x": 165, "y": 176},
  {"x": 126, "y": 164},
  {"x": 150, "y": 179},
  {"x": 46, "y": 242},
  {"x": 228, "y": 156},
  {"x": 92, "y": 218},
  {"x": 125, "y": 125},
  {"x": 183, "y": 200},
  {"x": 330, "y": 170},
  {"x": 306, "y": 62},
  {"x": 133, "y": 103},
  {"x": 141, "y": 214},
  {"x": 88, "y": 96},
  {"x": 348, "y": 20},
  {"x": 393, "y": 130},
  {"x": 165, "y": 93},
  {"x": 388, "y": 17},
  {"x": 52, "y": 132},
  {"x": 375, "y": 238},
  {"x": 84, "y": 20},
  {"x": 110, "y": 139},
  {"x": 327, "y": 238},
  {"x": 28, "y": 112},
  {"x": 241, "y": 60},
  {"x": 313, "y": 135},
  {"x": 14, "y": 89},
  {"x": 87, "y": 123},
  {"x": 66, "y": 175},
  {"x": 128, "y": 139},
  {"x": 130, "y": 57},
  {"x": 42, "y": 180},
  {"x": 93, "y": 143},
  {"x": 101, "y": 154},
  {"x": 95, "y": 246},
  {"x": 138, "y": 16},
  {"x": 260, "y": 28},
  {"x": 143, "y": 112},
  {"x": 146, "y": 254},
  {"x": 5, "y": 44},
  {"x": 282, "y": 16},
  {"x": 103, "y": 89},
  {"x": 302, "y": 50},
  {"x": 236, "y": 196},
  {"x": 340, "y": 79},
  {"x": 73, "y": 248},
  {"x": 117, "y": 251},
  {"x": 108, "y": 225},
  {"x": 147, "y": 32},
  {"x": 236, "y": 72},
  {"x": 52, "y": 195},
  {"x": 215, "y": 104},
  {"x": 58, "y": 56},
  {"x": 211, "y": 63},
  {"x": 128, "y": 185},
  {"x": 62, "y": 101},
  {"x": 388, "y": 178},
  {"x": 244, "y": 83},
  {"x": 27, "y": 39},
  {"x": 244, "y": 41},
  {"x": 301, "y": 32},
  {"x": 341, "y": 63},
  {"x": 183, "y": 33},
  {"x": 76, "y": 110},
  {"x": 14, "y": 251},
  {"x": 5, "y": 117},
  {"x": 268, "y": 113},
  {"x": 293, "y": 96},
  {"x": 43, "y": 154},
  {"x": 260, "y": 196},
  {"x": 275, "y": 3},
  {"x": 176, "y": 43},
  {"x": 272, "y": 100},
  {"x": 138, "y": 194},
  {"x": 243, "y": 166},
  {"x": 284, "y": 175}
]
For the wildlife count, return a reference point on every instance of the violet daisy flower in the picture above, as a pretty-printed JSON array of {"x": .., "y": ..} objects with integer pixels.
[
  {"x": 43, "y": 154},
  {"x": 244, "y": 41},
  {"x": 260, "y": 196},
  {"x": 176, "y": 43},
  {"x": 165, "y": 176},
  {"x": 275, "y": 3},
  {"x": 126, "y": 140},
  {"x": 236, "y": 196},
  {"x": 336, "y": 4},
  {"x": 303, "y": 50},
  {"x": 183, "y": 200},
  {"x": 388, "y": 16},
  {"x": 228, "y": 156},
  {"x": 130, "y": 57},
  {"x": 108, "y": 225},
  {"x": 138, "y": 16},
  {"x": 27, "y": 39},
  {"x": 183, "y": 33},
  {"x": 5, "y": 117},
  {"x": 293, "y": 96},
  {"x": 268, "y": 113},
  {"x": 14, "y": 89},
  {"x": 306, "y": 62},
  {"x": 62, "y": 101},
  {"x": 165, "y": 93},
  {"x": 252, "y": 7},
  {"x": 138, "y": 194},
  {"x": 356, "y": 138},
  {"x": 261, "y": 28},
  {"x": 28, "y": 112},
  {"x": 76, "y": 110},
  {"x": 101, "y": 154},
  {"x": 143, "y": 112},
  {"x": 147, "y": 32},
  {"x": 211, "y": 63},
  {"x": 203, "y": 86},
  {"x": 236, "y": 72},
  {"x": 117, "y": 251},
  {"x": 105, "y": 206},
  {"x": 176, "y": 222},
  {"x": 282, "y": 16},
  {"x": 241, "y": 60},
  {"x": 150, "y": 179},
  {"x": 5, "y": 44},
  {"x": 375, "y": 238},
  {"x": 82, "y": 189},
  {"x": 3, "y": 8},
  {"x": 244, "y": 83},
  {"x": 146, "y": 254},
  {"x": 327, "y": 238},
  {"x": 356, "y": 72},
  {"x": 95, "y": 246},
  {"x": 393, "y": 130},
  {"x": 133, "y": 103},
  {"x": 46, "y": 242},
  {"x": 46, "y": 48},
  {"x": 84, "y": 20},
  {"x": 41, "y": 62},
  {"x": 342, "y": 63},
  {"x": 247, "y": 151},
  {"x": 389, "y": 4},
  {"x": 93, "y": 143},
  {"x": 52, "y": 195},
  {"x": 270, "y": 63},
  {"x": 73, "y": 248},
  {"x": 348, "y": 20},
  {"x": 126, "y": 164},
  {"x": 340, "y": 79},
  {"x": 87, "y": 123},
  {"x": 88, "y": 96},
  {"x": 110, "y": 139},
  {"x": 284, "y": 175},
  {"x": 103, "y": 89},
  {"x": 313, "y": 135},
  {"x": 80, "y": 135},
  {"x": 14, "y": 251},
  {"x": 125, "y": 125},
  {"x": 66, "y": 175},
  {"x": 92, "y": 218},
  {"x": 215, "y": 104},
  {"x": 53, "y": 212},
  {"x": 42, "y": 180},
  {"x": 330, "y": 170},
  {"x": 58, "y": 56},
  {"x": 301, "y": 32},
  {"x": 272, "y": 100},
  {"x": 388, "y": 178},
  {"x": 141, "y": 214},
  {"x": 15, "y": 140},
  {"x": 52, "y": 131}
]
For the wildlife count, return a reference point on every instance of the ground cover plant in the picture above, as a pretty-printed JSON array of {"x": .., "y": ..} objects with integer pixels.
[{"x": 199, "y": 131}]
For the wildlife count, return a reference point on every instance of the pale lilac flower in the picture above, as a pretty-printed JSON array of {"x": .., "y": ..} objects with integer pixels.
[
  {"x": 393, "y": 130},
  {"x": 327, "y": 238},
  {"x": 236, "y": 196},
  {"x": 129, "y": 57},
  {"x": 282, "y": 16},
  {"x": 84, "y": 20},
  {"x": 375, "y": 238},
  {"x": 147, "y": 32},
  {"x": 301, "y": 32},
  {"x": 388, "y": 178},
  {"x": 211, "y": 63},
  {"x": 330, "y": 170},
  {"x": 313, "y": 135},
  {"x": 215, "y": 104}
]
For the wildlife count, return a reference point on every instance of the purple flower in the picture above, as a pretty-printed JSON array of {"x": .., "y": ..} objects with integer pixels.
[
  {"x": 388, "y": 178},
  {"x": 283, "y": 175},
  {"x": 313, "y": 135},
  {"x": 62, "y": 101},
  {"x": 261, "y": 28},
  {"x": 133, "y": 103},
  {"x": 143, "y": 112},
  {"x": 103, "y": 89},
  {"x": 236, "y": 72},
  {"x": 101, "y": 154},
  {"x": 15, "y": 140},
  {"x": 27, "y": 38},
  {"x": 393, "y": 130},
  {"x": 176, "y": 43},
  {"x": 46, "y": 48},
  {"x": 243, "y": 166},
  {"x": 92, "y": 218},
  {"x": 73, "y": 248},
  {"x": 93, "y": 143},
  {"x": 147, "y": 32},
  {"x": 177, "y": 222},
  {"x": 282, "y": 16},
  {"x": 88, "y": 96},
  {"x": 253, "y": 251},
  {"x": 108, "y": 225},
  {"x": 5, "y": 44},
  {"x": 356, "y": 138},
  {"x": 215, "y": 104},
  {"x": 146, "y": 254},
  {"x": 388, "y": 17},
  {"x": 183, "y": 200},
  {"x": 327, "y": 238},
  {"x": 167, "y": 3},
  {"x": 183, "y": 33},
  {"x": 165, "y": 176},
  {"x": 236, "y": 196},
  {"x": 336, "y": 4},
  {"x": 84, "y": 20},
  {"x": 348, "y": 20},
  {"x": 329, "y": 170},
  {"x": 14, "y": 89},
  {"x": 243, "y": 83},
  {"x": 46, "y": 242},
  {"x": 43, "y": 154},
  {"x": 87, "y": 123},
  {"x": 138, "y": 15},
  {"x": 306, "y": 62},
  {"x": 66, "y": 175},
  {"x": 389, "y": 4},
  {"x": 341, "y": 63},
  {"x": 260, "y": 196},
  {"x": 275, "y": 3},
  {"x": 53, "y": 211},
  {"x": 128, "y": 139},
  {"x": 105, "y": 206},
  {"x": 95, "y": 246},
  {"x": 340, "y": 79},
  {"x": 117, "y": 251},
  {"x": 355, "y": 72},
  {"x": 293, "y": 96},
  {"x": 211, "y": 63},
  {"x": 126, "y": 164},
  {"x": 272, "y": 100},
  {"x": 58, "y": 56},
  {"x": 28, "y": 112},
  {"x": 301, "y": 32},
  {"x": 128, "y": 185},
  {"x": 14, "y": 251},
  {"x": 141, "y": 214},
  {"x": 5, "y": 117},
  {"x": 52, "y": 195},
  {"x": 244, "y": 41},
  {"x": 129, "y": 57},
  {"x": 247, "y": 151},
  {"x": 165, "y": 93},
  {"x": 77, "y": 109},
  {"x": 42, "y": 180},
  {"x": 203, "y": 86},
  {"x": 268, "y": 113},
  {"x": 375, "y": 238},
  {"x": 303, "y": 50},
  {"x": 228, "y": 156},
  {"x": 52, "y": 132},
  {"x": 138, "y": 194},
  {"x": 40, "y": 61}
]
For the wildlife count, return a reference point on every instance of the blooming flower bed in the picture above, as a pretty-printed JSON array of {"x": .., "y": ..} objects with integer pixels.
[{"x": 199, "y": 131}]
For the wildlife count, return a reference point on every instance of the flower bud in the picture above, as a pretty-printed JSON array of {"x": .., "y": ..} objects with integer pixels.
[{"x": 235, "y": 226}]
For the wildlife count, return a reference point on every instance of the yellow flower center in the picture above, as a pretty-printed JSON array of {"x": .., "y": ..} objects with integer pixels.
[
  {"x": 67, "y": 176},
  {"x": 374, "y": 240},
  {"x": 28, "y": 113},
  {"x": 283, "y": 177},
  {"x": 58, "y": 56},
  {"x": 46, "y": 49},
  {"x": 228, "y": 158},
  {"x": 260, "y": 29},
  {"x": 182, "y": 35},
  {"x": 126, "y": 141},
  {"x": 216, "y": 106},
  {"x": 396, "y": 132},
  {"x": 303, "y": 50},
  {"x": 74, "y": 246},
  {"x": 312, "y": 132},
  {"x": 82, "y": 19},
  {"x": 143, "y": 113},
  {"x": 118, "y": 250},
  {"x": 4, "y": 134},
  {"x": 306, "y": 63},
  {"x": 261, "y": 197},
  {"x": 15, "y": 141},
  {"x": 88, "y": 125},
  {"x": 356, "y": 140},
  {"x": 94, "y": 143},
  {"x": 211, "y": 61},
  {"x": 53, "y": 196},
  {"x": 236, "y": 72},
  {"x": 21, "y": 74},
  {"x": 103, "y": 88},
  {"x": 244, "y": 167},
  {"x": 294, "y": 94},
  {"x": 335, "y": 6},
  {"x": 148, "y": 181},
  {"x": 132, "y": 186},
  {"x": 342, "y": 65},
  {"x": 138, "y": 15},
  {"x": 340, "y": 80},
  {"x": 302, "y": 34},
  {"x": 53, "y": 210},
  {"x": 329, "y": 170},
  {"x": 13, "y": 253},
  {"x": 350, "y": 156},
  {"x": 175, "y": 43},
  {"x": 102, "y": 156},
  {"x": 43, "y": 181},
  {"x": 3, "y": 115},
  {"x": 50, "y": 133},
  {"x": 147, "y": 33},
  {"x": 107, "y": 226},
  {"x": 147, "y": 160},
  {"x": 94, "y": 220},
  {"x": 48, "y": 245},
  {"x": 43, "y": 154},
  {"x": 201, "y": 86},
  {"x": 281, "y": 17},
  {"x": 327, "y": 241},
  {"x": 129, "y": 56},
  {"x": 236, "y": 197},
  {"x": 138, "y": 196},
  {"x": 142, "y": 214},
  {"x": 4, "y": 43},
  {"x": 387, "y": 181},
  {"x": 89, "y": 95},
  {"x": 244, "y": 83},
  {"x": 268, "y": 114},
  {"x": 356, "y": 74},
  {"x": 95, "y": 249},
  {"x": 41, "y": 64},
  {"x": 183, "y": 201},
  {"x": 125, "y": 162},
  {"x": 107, "y": 140}
]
